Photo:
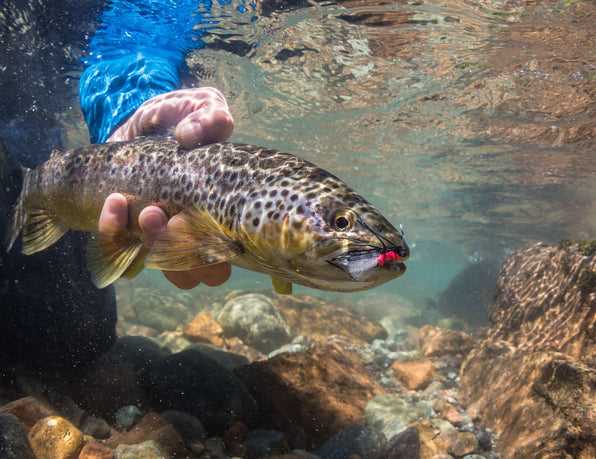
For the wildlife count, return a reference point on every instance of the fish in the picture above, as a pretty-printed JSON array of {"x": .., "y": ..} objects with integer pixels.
[{"x": 257, "y": 208}]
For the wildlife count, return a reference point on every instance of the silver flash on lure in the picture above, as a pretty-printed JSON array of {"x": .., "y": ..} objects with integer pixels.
[{"x": 257, "y": 208}]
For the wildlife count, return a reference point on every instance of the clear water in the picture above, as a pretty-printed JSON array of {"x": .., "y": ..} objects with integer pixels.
[{"x": 420, "y": 106}]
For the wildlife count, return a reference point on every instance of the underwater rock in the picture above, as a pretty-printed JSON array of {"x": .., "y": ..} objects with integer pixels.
[
  {"x": 152, "y": 428},
  {"x": 435, "y": 342},
  {"x": 353, "y": 441},
  {"x": 187, "y": 425},
  {"x": 254, "y": 319},
  {"x": 404, "y": 445},
  {"x": 265, "y": 443},
  {"x": 391, "y": 413},
  {"x": 55, "y": 437},
  {"x": 320, "y": 391},
  {"x": 416, "y": 375},
  {"x": 532, "y": 378},
  {"x": 29, "y": 410},
  {"x": 157, "y": 310},
  {"x": 230, "y": 360},
  {"x": 13, "y": 439},
  {"x": 128, "y": 416},
  {"x": 96, "y": 451},
  {"x": 145, "y": 450},
  {"x": 318, "y": 319},
  {"x": 191, "y": 381},
  {"x": 204, "y": 329},
  {"x": 104, "y": 387}
]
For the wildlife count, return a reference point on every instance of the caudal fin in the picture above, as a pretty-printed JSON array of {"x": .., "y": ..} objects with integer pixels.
[{"x": 40, "y": 229}]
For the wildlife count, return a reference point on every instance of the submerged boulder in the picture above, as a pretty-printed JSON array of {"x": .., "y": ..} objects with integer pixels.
[{"x": 532, "y": 377}]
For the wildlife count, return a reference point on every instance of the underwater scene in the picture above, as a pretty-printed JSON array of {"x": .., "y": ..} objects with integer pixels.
[{"x": 392, "y": 254}]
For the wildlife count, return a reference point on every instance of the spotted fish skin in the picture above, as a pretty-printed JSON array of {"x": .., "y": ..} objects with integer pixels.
[{"x": 257, "y": 208}]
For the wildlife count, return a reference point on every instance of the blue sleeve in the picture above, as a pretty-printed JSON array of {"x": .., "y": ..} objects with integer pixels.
[{"x": 136, "y": 54}]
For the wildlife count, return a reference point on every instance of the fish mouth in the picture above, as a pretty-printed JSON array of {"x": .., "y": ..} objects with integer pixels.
[{"x": 360, "y": 264}]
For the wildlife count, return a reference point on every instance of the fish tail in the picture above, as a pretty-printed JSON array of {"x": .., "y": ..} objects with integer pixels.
[
  {"x": 40, "y": 229},
  {"x": 18, "y": 215}
]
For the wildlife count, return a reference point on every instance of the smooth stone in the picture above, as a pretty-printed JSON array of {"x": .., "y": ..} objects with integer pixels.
[
  {"x": 191, "y": 381},
  {"x": 404, "y": 445},
  {"x": 128, "y": 416},
  {"x": 204, "y": 329},
  {"x": 188, "y": 426},
  {"x": 13, "y": 439},
  {"x": 28, "y": 410},
  {"x": 435, "y": 342},
  {"x": 416, "y": 375},
  {"x": 465, "y": 443},
  {"x": 230, "y": 360},
  {"x": 55, "y": 437},
  {"x": 95, "y": 427},
  {"x": 96, "y": 451},
  {"x": 254, "y": 319},
  {"x": 390, "y": 413},
  {"x": 264, "y": 443},
  {"x": 145, "y": 450},
  {"x": 361, "y": 441},
  {"x": 137, "y": 351}
]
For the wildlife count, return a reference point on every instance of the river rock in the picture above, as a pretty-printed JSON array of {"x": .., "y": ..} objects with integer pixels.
[
  {"x": 13, "y": 439},
  {"x": 145, "y": 450},
  {"x": 435, "y": 342},
  {"x": 353, "y": 441},
  {"x": 318, "y": 319},
  {"x": 261, "y": 443},
  {"x": 532, "y": 378},
  {"x": 152, "y": 427},
  {"x": 391, "y": 413},
  {"x": 29, "y": 410},
  {"x": 96, "y": 451},
  {"x": 254, "y": 319},
  {"x": 187, "y": 425},
  {"x": 204, "y": 329},
  {"x": 55, "y": 437},
  {"x": 315, "y": 393},
  {"x": 415, "y": 375},
  {"x": 404, "y": 445},
  {"x": 191, "y": 381}
]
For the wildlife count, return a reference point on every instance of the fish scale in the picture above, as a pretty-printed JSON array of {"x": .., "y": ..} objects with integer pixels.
[{"x": 257, "y": 208}]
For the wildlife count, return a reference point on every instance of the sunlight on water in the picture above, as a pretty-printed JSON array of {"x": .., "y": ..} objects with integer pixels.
[{"x": 401, "y": 101}]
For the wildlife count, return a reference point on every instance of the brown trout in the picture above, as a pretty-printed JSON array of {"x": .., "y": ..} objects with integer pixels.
[{"x": 257, "y": 208}]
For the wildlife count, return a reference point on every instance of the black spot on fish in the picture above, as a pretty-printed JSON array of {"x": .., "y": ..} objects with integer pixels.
[
  {"x": 273, "y": 193},
  {"x": 178, "y": 195},
  {"x": 257, "y": 204},
  {"x": 311, "y": 195},
  {"x": 294, "y": 197},
  {"x": 276, "y": 216},
  {"x": 197, "y": 197},
  {"x": 268, "y": 205},
  {"x": 270, "y": 214},
  {"x": 284, "y": 183},
  {"x": 297, "y": 225},
  {"x": 256, "y": 221},
  {"x": 300, "y": 210},
  {"x": 285, "y": 192},
  {"x": 233, "y": 176}
]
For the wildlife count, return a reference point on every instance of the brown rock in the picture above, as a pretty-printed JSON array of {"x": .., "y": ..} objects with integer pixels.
[
  {"x": 29, "y": 410},
  {"x": 454, "y": 417},
  {"x": 152, "y": 427},
  {"x": 414, "y": 375},
  {"x": 436, "y": 341},
  {"x": 204, "y": 329},
  {"x": 318, "y": 319},
  {"x": 55, "y": 437},
  {"x": 426, "y": 437},
  {"x": 321, "y": 391},
  {"x": 96, "y": 451},
  {"x": 464, "y": 443},
  {"x": 532, "y": 379}
]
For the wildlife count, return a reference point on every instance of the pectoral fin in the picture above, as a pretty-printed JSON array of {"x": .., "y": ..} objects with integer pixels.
[
  {"x": 194, "y": 238},
  {"x": 281, "y": 286},
  {"x": 108, "y": 258}
]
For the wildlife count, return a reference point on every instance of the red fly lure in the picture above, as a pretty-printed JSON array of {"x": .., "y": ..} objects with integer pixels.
[{"x": 387, "y": 256}]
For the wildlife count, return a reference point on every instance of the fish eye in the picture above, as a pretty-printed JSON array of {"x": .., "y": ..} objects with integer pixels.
[{"x": 343, "y": 220}]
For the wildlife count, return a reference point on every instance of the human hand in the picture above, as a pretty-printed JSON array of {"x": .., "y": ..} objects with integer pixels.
[
  {"x": 200, "y": 116},
  {"x": 153, "y": 222}
]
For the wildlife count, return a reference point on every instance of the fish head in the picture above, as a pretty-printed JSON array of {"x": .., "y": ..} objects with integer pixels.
[
  {"x": 323, "y": 235},
  {"x": 355, "y": 247}
]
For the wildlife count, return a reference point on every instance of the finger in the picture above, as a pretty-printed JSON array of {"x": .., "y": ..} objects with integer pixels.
[
  {"x": 210, "y": 275},
  {"x": 211, "y": 123},
  {"x": 114, "y": 214},
  {"x": 153, "y": 222}
]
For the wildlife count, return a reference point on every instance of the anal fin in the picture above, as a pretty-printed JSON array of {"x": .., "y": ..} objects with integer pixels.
[
  {"x": 108, "y": 258},
  {"x": 40, "y": 231},
  {"x": 283, "y": 287}
]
